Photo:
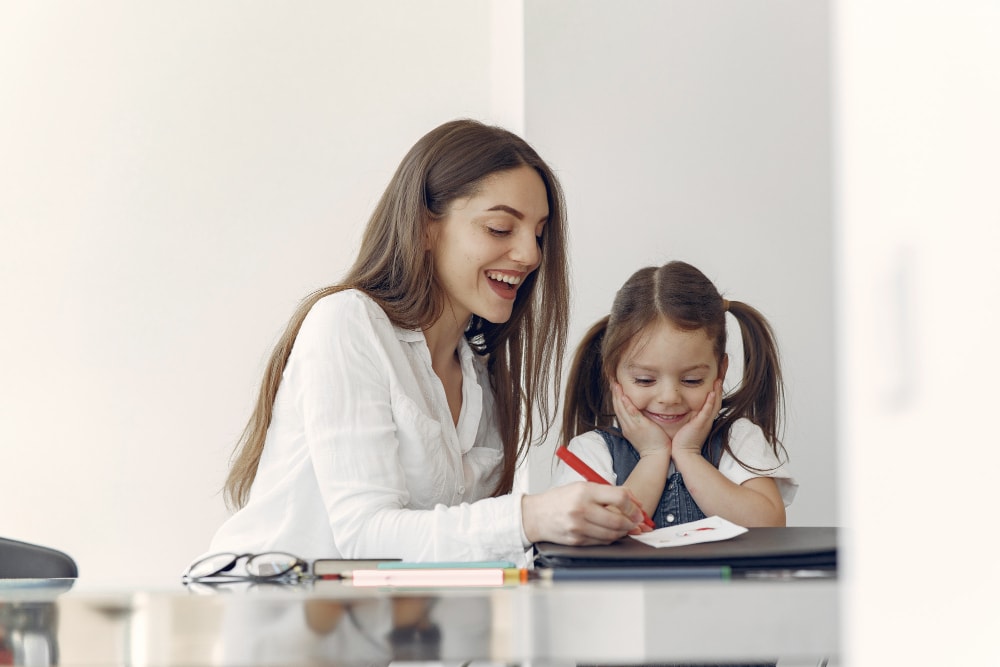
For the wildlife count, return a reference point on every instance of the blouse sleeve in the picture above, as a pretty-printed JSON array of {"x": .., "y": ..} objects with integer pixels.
[
  {"x": 749, "y": 444},
  {"x": 342, "y": 371}
]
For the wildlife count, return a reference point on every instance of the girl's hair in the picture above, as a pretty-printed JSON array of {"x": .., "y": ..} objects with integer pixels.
[
  {"x": 681, "y": 295},
  {"x": 450, "y": 162}
]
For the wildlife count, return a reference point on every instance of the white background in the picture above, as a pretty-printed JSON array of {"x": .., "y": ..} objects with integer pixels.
[{"x": 174, "y": 177}]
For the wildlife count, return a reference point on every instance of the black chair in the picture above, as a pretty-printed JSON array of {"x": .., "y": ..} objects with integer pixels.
[{"x": 20, "y": 560}]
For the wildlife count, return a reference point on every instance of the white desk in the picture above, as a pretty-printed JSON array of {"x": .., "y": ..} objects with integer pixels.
[{"x": 796, "y": 622}]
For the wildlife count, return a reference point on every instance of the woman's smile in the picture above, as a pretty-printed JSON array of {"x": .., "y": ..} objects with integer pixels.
[{"x": 505, "y": 283}]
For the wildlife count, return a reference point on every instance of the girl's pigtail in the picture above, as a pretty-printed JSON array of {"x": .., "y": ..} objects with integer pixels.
[
  {"x": 760, "y": 396},
  {"x": 588, "y": 404}
]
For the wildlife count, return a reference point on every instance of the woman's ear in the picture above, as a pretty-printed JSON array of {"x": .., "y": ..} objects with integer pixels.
[{"x": 430, "y": 234}]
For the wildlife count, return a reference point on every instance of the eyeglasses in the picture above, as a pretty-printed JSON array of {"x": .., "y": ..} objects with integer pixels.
[{"x": 270, "y": 566}]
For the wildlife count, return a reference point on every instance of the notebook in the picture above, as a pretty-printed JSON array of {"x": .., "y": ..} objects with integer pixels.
[{"x": 794, "y": 547}]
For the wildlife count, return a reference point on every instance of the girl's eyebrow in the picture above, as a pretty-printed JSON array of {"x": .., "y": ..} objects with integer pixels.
[
  {"x": 696, "y": 367},
  {"x": 639, "y": 367}
]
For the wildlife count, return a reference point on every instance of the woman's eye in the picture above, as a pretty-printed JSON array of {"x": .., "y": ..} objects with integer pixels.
[{"x": 498, "y": 232}]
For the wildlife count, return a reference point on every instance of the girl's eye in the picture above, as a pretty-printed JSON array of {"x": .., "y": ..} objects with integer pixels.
[
  {"x": 693, "y": 382},
  {"x": 642, "y": 382}
]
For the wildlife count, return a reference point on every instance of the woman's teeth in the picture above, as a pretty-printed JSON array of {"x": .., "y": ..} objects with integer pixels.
[{"x": 504, "y": 278}]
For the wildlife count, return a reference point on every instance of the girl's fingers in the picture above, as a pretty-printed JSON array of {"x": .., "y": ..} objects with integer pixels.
[
  {"x": 627, "y": 406},
  {"x": 713, "y": 402},
  {"x": 620, "y": 402},
  {"x": 709, "y": 410}
]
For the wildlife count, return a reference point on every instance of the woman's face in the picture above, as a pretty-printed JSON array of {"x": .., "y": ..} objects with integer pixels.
[
  {"x": 668, "y": 373},
  {"x": 487, "y": 244}
]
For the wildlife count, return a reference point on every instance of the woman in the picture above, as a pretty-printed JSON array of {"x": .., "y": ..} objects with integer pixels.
[{"x": 397, "y": 403}]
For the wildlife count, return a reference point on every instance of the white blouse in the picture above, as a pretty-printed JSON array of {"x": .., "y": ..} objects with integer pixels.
[
  {"x": 745, "y": 439},
  {"x": 363, "y": 459}
]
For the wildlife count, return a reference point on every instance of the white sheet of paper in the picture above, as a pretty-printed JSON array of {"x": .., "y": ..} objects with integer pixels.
[{"x": 712, "y": 529}]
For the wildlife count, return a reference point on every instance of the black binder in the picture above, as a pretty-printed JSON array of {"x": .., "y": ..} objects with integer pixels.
[{"x": 790, "y": 548}]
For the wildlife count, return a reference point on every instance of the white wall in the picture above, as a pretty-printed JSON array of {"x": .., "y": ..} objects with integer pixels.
[
  {"x": 174, "y": 177},
  {"x": 700, "y": 131}
]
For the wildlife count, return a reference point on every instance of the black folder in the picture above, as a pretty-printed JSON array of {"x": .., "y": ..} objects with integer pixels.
[{"x": 790, "y": 548}]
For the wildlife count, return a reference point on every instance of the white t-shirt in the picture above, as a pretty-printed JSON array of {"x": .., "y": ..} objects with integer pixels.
[
  {"x": 745, "y": 439},
  {"x": 363, "y": 458}
]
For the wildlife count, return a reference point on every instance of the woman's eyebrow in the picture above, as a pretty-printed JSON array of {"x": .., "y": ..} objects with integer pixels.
[{"x": 507, "y": 209}]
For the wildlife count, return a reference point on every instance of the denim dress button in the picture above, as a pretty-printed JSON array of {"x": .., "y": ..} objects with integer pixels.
[{"x": 670, "y": 518}]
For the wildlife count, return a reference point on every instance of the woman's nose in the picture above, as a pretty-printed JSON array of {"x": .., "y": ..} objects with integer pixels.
[{"x": 526, "y": 250}]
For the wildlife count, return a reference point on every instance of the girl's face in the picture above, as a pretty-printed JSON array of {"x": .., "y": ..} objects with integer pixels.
[
  {"x": 668, "y": 373},
  {"x": 487, "y": 244}
]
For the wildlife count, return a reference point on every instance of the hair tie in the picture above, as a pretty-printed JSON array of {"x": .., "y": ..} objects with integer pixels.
[{"x": 725, "y": 305}]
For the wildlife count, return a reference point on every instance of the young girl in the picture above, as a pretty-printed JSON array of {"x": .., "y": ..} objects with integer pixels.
[
  {"x": 397, "y": 402},
  {"x": 645, "y": 406}
]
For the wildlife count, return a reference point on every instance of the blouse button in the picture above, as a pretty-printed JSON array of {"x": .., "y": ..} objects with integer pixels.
[
  {"x": 461, "y": 490},
  {"x": 670, "y": 518}
]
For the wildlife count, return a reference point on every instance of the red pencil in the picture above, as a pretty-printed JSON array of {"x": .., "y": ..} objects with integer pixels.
[{"x": 577, "y": 464}]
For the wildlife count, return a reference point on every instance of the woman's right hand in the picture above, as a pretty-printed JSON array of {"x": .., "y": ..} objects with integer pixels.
[{"x": 581, "y": 513}]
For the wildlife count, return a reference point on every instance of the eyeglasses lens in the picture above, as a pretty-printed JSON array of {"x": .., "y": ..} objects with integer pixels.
[
  {"x": 272, "y": 564},
  {"x": 212, "y": 565}
]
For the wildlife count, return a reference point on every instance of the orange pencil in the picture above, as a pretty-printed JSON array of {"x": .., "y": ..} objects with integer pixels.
[{"x": 577, "y": 464}]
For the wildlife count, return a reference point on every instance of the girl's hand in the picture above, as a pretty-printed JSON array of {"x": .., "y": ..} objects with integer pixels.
[
  {"x": 581, "y": 513},
  {"x": 645, "y": 436},
  {"x": 693, "y": 434}
]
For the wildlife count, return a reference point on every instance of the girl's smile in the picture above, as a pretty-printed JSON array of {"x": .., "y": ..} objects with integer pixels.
[{"x": 666, "y": 419}]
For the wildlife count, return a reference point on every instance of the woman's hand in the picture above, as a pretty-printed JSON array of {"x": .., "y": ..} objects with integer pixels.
[{"x": 581, "y": 513}]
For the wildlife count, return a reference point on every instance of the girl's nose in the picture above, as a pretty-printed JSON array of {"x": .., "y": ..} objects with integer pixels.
[{"x": 669, "y": 396}]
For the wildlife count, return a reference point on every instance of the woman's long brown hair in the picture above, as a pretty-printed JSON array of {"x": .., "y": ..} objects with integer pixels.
[
  {"x": 682, "y": 295},
  {"x": 393, "y": 268}
]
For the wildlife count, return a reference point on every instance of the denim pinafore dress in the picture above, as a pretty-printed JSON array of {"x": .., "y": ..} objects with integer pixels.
[{"x": 676, "y": 504}]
